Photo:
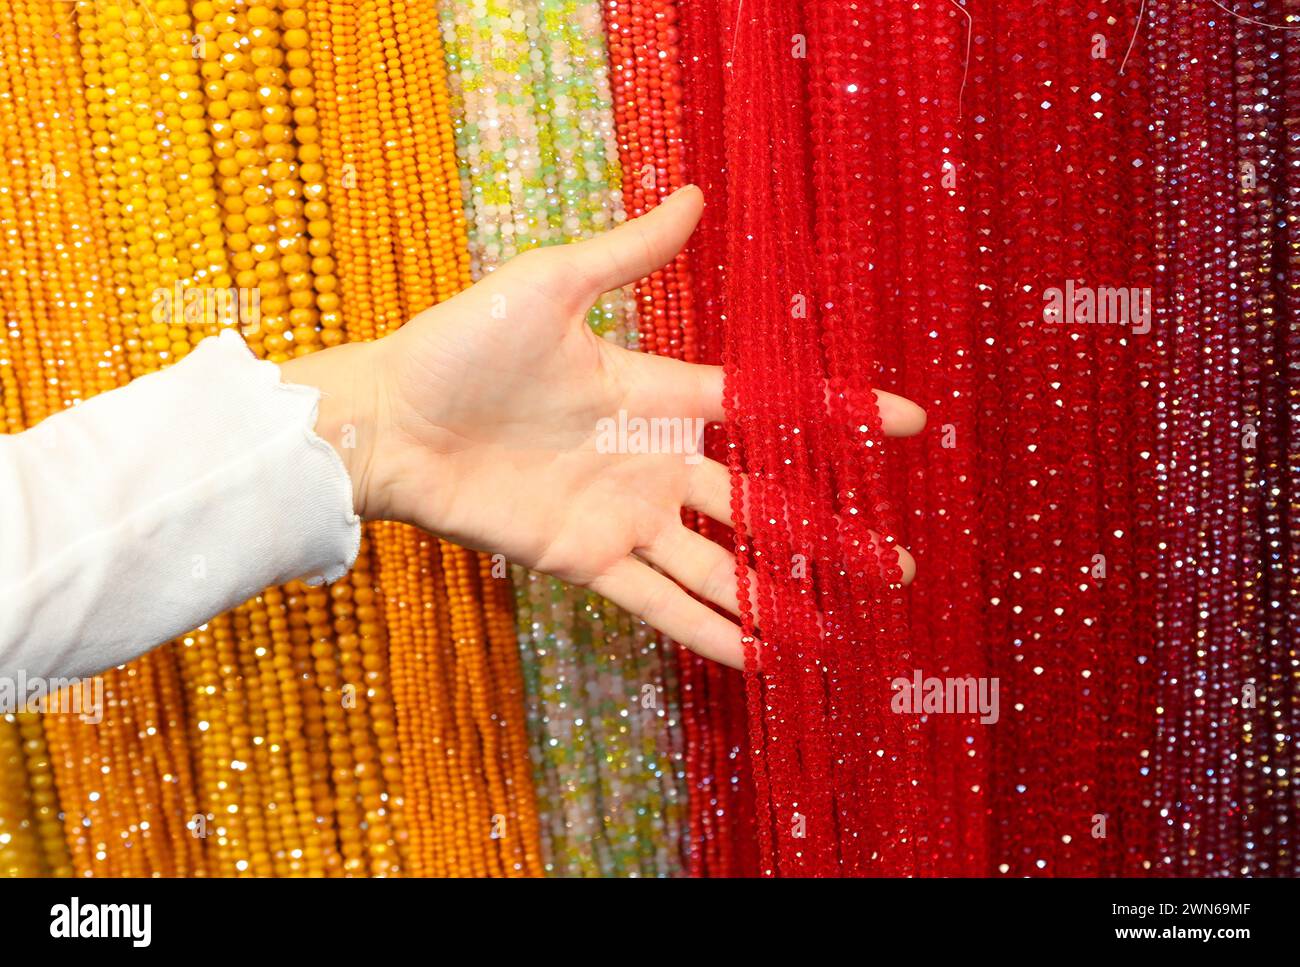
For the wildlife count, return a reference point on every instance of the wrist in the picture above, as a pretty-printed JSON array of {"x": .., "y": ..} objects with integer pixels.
[{"x": 347, "y": 416}]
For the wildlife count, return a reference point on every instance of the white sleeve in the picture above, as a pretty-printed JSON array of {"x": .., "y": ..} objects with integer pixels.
[{"x": 143, "y": 512}]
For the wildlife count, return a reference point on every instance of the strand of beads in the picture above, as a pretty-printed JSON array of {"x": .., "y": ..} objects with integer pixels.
[
  {"x": 196, "y": 657},
  {"x": 89, "y": 234},
  {"x": 20, "y": 843},
  {"x": 304, "y": 853},
  {"x": 25, "y": 293},
  {"x": 647, "y": 102},
  {"x": 61, "y": 224},
  {"x": 322, "y": 846},
  {"x": 437, "y": 176},
  {"x": 382, "y": 787},
  {"x": 245, "y": 799},
  {"x": 113, "y": 236},
  {"x": 1280, "y": 524},
  {"x": 141, "y": 147},
  {"x": 356, "y": 635},
  {"x": 44, "y": 794},
  {"x": 185, "y": 171},
  {"x": 1271, "y": 804},
  {"x": 522, "y": 832},
  {"x": 264, "y": 187},
  {"x": 81, "y": 810},
  {"x": 267, "y": 672},
  {"x": 11, "y": 345},
  {"x": 490, "y": 679},
  {"x": 10, "y": 400},
  {"x": 419, "y": 692},
  {"x": 165, "y": 758},
  {"x": 468, "y": 701}
]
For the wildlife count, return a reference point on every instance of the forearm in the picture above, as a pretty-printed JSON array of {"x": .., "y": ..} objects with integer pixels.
[{"x": 147, "y": 510}]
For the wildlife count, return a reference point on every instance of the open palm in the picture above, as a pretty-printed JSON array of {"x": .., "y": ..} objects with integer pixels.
[{"x": 489, "y": 411}]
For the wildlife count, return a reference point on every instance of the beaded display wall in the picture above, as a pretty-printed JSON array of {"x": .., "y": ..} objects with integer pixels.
[
  {"x": 1068, "y": 230},
  {"x": 374, "y": 727}
]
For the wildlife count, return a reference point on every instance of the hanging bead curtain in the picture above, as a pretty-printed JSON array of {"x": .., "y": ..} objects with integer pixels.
[
  {"x": 1068, "y": 230},
  {"x": 893, "y": 197}
]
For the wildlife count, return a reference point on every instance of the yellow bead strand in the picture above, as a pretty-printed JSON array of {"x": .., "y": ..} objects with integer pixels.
[
  {"x": 44, "y": 794},
  {"x": 19, "y": 185},
  {"x": 301, "y": 149},
  {"x": 20, "y": 845},
  {"x": 380, "y": 845},
  {"x": 294, "y": 787}
]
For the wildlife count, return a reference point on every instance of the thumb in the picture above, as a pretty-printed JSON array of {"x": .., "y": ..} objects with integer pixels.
[{"x": 635, "y": 249}]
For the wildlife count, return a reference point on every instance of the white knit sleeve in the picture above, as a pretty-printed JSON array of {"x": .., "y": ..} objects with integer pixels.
[{"x": 144, "y": 511}]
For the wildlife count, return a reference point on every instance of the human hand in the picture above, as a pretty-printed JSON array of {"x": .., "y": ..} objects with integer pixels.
[{"x": 480, "y": 421}]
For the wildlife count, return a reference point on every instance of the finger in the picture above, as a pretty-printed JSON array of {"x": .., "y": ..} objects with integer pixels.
[
  {"x": 678, "y": 388},
  {"x": 899, "y": 416},
  {"x": 697, "y": 390},
  {"x": 693, "y": 389},
  {"x": 708, "y": 490},
  {"x": 700, "y": 565},
  {"x": 906, "y": 563},
  {"x": 638, "y": 247},
  {"x": 638, "y": 588}
]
